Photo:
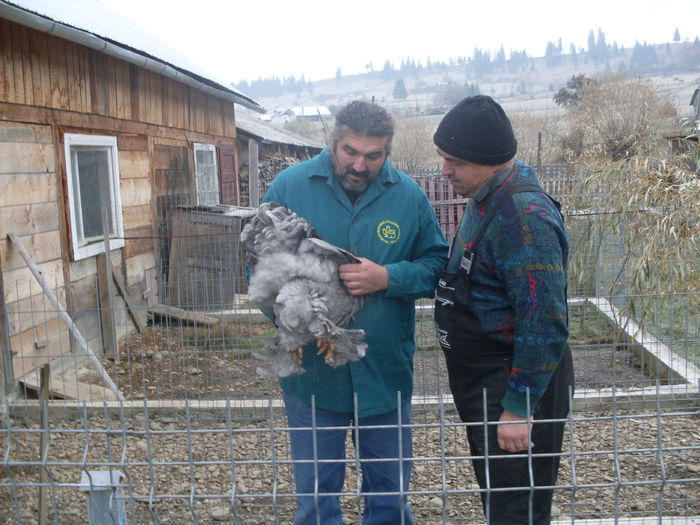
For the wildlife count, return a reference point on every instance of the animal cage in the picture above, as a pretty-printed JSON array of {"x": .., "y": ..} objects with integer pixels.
[{"x": 207, "y": 262}]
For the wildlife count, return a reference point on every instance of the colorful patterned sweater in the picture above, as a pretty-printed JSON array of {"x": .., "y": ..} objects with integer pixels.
[{"x": 518, "y": 282}]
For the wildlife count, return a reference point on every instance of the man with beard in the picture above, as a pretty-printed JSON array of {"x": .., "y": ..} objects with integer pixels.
[{"x": 358, "y": 201}]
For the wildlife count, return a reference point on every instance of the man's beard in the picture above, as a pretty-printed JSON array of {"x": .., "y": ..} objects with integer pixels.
[{"x": 351, "y": 185}]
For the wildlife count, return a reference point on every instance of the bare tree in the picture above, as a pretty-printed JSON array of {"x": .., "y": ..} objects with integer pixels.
[
  {"x": 413, "y": 147},
  {"x": 619, "y": 116},
  {"x": 635, "y": 194},
  {"x": 306, "y": 128},
  {"x": 539, "y": 136}
]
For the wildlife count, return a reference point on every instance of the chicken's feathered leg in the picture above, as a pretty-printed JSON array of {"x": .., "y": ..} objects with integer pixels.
[{"x": 325, "y": 347}]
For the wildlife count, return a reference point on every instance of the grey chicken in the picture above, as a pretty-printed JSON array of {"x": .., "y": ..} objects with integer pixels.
[{"x": 294, "y": 275}]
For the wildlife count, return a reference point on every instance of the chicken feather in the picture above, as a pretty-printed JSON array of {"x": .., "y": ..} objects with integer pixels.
[{"x": 294, "y": 275}]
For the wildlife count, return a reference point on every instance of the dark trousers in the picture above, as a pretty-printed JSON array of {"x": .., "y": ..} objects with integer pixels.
[{"x": 497, "y": 468}]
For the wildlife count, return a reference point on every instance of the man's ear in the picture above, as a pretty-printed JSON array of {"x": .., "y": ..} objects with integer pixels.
[{"x": 334, "y": 157}]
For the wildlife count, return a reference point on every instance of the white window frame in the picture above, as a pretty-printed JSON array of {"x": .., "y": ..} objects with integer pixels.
[
  {"x": 207, "y": 191},
  {"x": 83, "y": 248}
]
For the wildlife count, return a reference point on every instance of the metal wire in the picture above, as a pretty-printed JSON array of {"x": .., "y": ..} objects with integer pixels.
[
  {"x": 201, "y": 438},
  {"x": 173, "y": 473}
]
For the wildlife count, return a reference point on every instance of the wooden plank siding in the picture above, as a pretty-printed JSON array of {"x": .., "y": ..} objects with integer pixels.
[
  {"x": 46, "y": 71},
  {"x": 27, "y": 312},
  {"x": 49, "y": 87},
  {"x": 39, "y": 345},
  {"x": 28, "y": 208}
]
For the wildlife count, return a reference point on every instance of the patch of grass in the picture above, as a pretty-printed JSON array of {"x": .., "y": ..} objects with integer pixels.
[{"x": 229, "y": 335}]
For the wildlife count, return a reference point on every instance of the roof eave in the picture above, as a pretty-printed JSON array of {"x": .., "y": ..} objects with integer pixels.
[{"x": 114, "y": 49}]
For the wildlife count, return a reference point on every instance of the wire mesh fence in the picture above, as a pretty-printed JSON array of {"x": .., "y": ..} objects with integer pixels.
[
  {"x": 207, "y": 463},
  {"x": 199, "y": 437}
]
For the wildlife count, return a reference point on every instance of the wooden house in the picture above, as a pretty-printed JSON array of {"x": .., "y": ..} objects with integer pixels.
[
  {"x": 265, "y": 150},
  {"x": 316, "y": 113},
  {"x": 104, "y": 132}
]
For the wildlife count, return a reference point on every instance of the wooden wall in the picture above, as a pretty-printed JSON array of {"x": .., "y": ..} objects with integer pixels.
[
  {"x": 49, "y": 87},
  {"x": 29, "y": 208},
  {"x": 38, "y": 69}
]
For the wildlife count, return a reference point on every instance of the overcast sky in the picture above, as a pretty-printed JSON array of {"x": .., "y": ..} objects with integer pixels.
[{"x": 250, "y": 39}]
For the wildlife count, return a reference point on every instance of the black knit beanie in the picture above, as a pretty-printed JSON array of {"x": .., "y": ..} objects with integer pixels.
[{"x": 478, "y": 130}]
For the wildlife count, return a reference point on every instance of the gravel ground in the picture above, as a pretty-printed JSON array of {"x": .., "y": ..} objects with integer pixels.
[
  {"x": 215, "y": 467},
  {"x": 183, "y": 473},
  {"x": 169, "y": 363}
]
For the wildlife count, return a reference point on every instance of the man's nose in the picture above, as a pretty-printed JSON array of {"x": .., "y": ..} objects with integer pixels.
[
  {"x": 446, "y": 170},
  {"x": 359, "y": 165}
]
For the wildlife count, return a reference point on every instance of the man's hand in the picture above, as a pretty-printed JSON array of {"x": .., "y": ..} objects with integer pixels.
[
  {"x": 364, "y": 277},
  {"x": 514, "y": 436}
]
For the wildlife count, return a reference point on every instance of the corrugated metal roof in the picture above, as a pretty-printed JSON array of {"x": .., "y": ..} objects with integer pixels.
[
  {"x": 91, "y": 23},
  {"x": 269, "y": 133}
]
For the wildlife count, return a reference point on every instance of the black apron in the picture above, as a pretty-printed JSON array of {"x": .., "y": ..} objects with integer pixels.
[
  {"x": 478, "y": 370},
  {"x": 459, "y": 332}
]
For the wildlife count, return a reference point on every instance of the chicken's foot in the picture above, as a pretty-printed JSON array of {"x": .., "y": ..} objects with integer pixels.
[
  {"x": 325, "y": 346},
  {"x": 298, "y": 355}
]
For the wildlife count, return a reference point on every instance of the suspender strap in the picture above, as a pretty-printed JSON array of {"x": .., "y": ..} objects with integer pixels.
[{"x": 468, "y": 257}]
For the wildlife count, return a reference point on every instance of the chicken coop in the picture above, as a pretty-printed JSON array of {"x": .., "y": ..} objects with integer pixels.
[{"x": 206, "y": 268}]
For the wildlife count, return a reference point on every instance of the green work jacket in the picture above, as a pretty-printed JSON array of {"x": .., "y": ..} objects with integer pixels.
[{"x": 392, "y": 224}]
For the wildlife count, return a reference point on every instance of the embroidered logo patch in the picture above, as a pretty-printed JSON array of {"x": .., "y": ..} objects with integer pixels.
[{"x": 388, "y": 232}]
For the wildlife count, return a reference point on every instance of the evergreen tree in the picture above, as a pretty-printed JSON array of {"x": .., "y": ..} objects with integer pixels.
[
  {"x": 518, "y": 61},
  {"x": 591, "y": 43},
  {"x": 601, "y": 47},
  {"x": 399, "y": 92},
  {"x": 570, "y": 95},
  {"x": 266, "y": 87},
  {"x": 676, "y": 36},
  {"x": 480, "y": 62},
  {"x": 643, "y": 57},
  {"x": 289, "y": 84},
  {"x": 387, "y": 70},
  {"x": 574, "y": 55},
  {"x": 553, "y": 54},
  {"x": 243, "y": 86},
  {"x": 550, "y": 54},
  {"x": 500, "y": 61}
]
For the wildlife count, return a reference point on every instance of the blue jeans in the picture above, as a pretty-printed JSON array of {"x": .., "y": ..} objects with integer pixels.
[{"x": 316, "y": 477}]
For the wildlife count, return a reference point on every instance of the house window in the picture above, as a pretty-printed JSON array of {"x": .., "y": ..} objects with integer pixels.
[
  {"x": 92, "y": 169},
  {"x": 206, "y": 174}
]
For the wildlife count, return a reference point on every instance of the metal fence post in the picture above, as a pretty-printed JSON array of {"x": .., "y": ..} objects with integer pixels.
[
  {"x": 105, "y": 497},
  {"x": 7, "y": 378}
]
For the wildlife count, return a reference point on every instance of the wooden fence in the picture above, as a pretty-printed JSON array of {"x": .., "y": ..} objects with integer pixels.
[{"x": 449, "y": 207}]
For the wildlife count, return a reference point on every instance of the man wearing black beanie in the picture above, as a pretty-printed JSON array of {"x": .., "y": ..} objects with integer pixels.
[{"x": 501, "y": 313}]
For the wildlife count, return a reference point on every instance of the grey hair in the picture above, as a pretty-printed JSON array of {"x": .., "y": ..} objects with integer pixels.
[{"x": 366, "y": 119}]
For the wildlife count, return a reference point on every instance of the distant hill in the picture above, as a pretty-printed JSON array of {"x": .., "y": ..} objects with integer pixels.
[{"x": 520, "y": 83}]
